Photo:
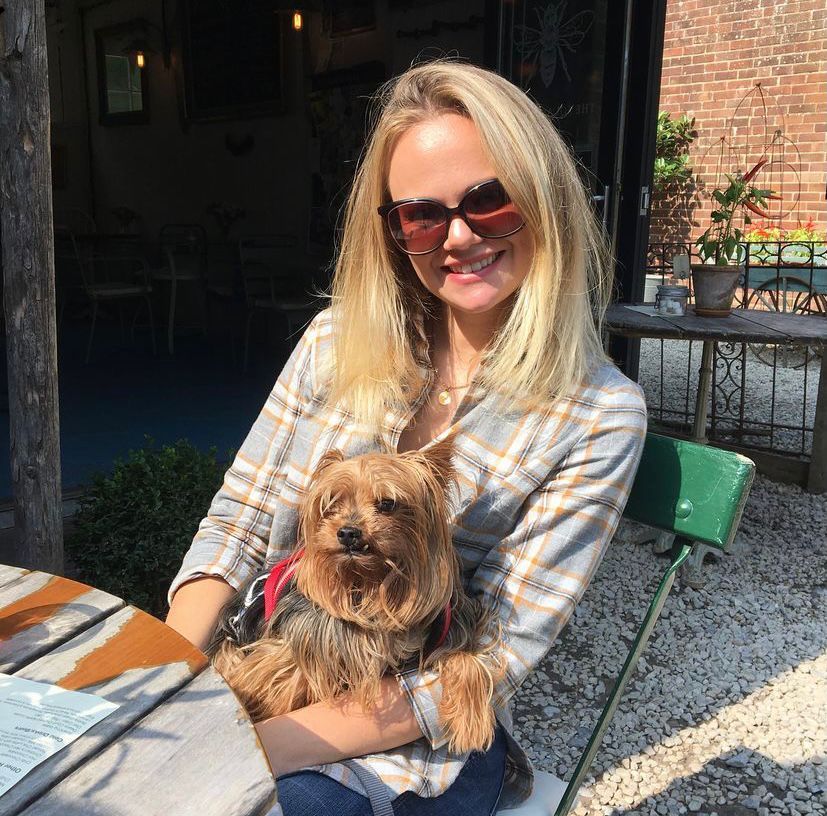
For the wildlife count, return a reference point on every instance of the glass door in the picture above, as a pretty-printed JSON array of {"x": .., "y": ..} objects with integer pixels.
[
  {"x": 568, "y": 55},
  {"x": 594, "y": 66}
]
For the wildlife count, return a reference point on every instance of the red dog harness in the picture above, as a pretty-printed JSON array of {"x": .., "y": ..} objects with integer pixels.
[
  {"x": 278, "y": 579},
  {"x": 283, "y": 572}
]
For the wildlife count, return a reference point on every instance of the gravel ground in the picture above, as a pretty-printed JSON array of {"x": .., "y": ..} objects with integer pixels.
[{"x": 727, "y": 712}]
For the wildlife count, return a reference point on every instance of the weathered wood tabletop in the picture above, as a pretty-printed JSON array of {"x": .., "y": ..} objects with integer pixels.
[
  {"x": 742, "y": 326},
  {"x": 180, "y": 743}
]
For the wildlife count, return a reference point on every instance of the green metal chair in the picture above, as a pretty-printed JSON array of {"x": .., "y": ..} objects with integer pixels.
[{"x": 696, "y": 492}]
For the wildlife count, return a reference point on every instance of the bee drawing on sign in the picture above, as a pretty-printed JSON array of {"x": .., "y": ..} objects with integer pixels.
[{"x": 547, "y": 45}]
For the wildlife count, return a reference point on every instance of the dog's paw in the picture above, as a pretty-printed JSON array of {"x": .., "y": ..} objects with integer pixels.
[{"x": 465, "y": 709}]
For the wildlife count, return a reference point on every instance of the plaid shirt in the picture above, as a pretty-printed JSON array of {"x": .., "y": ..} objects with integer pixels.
[{"x": 539, "y": 496}]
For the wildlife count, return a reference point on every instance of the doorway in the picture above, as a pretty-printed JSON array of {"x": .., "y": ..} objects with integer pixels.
[{"x": 594, "y": 67}]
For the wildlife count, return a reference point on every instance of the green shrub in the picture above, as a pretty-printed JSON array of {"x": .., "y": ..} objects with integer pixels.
[
  {"x": 134, "y": 526},
  {"x": 674, "y": 136}
]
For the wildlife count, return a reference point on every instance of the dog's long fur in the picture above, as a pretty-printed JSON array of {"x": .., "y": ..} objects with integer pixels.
[{"x": 351, "y": 617}]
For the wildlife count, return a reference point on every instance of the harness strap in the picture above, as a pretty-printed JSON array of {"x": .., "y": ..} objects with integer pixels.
[
  {"x": 445, "y": 615},
  {"x": 278, "y": 579},
  {"x": 375, "y": 788}
]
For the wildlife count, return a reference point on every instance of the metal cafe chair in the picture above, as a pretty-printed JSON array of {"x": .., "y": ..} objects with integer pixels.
[
  {"x": 697, "y": 493},
  {"x": 102, "y": 279},
  {"x": 271, "y": 282},
  {"x": 76, "y": 220},
  {"x": 184, "y": 255}
]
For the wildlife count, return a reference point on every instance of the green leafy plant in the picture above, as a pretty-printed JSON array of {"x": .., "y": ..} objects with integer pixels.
[
  {"x": 134, "y": 525},
  {"x": 721, "y": 243},
  {"x": 806, "y": 233},
  {"x": 800, "y": 246},
  {"x": 674, "y": 136}
]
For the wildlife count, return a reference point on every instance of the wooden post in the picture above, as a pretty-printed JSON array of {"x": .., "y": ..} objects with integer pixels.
[
  {"x": 817, "y": 474},
  {"x": 26, "y": 232}
]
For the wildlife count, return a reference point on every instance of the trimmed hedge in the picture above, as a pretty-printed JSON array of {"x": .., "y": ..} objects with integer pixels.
[{"x": 134, "y": 526}]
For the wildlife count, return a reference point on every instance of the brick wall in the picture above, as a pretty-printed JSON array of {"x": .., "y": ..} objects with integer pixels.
[{"x": 715, "y": 51}]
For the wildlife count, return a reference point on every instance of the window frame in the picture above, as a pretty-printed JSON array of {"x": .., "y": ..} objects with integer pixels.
[{"x": 105, "y": 116}]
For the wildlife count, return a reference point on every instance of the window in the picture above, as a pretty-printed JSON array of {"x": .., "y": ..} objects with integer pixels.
[
  {"x": 122, "y": 81},
  {"x": 123, "y": 84}
]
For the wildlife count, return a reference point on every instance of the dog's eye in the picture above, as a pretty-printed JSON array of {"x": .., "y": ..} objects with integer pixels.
[{"x": 386, "y": 505}]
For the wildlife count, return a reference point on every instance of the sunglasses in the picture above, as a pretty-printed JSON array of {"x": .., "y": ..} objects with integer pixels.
[{"x": 420, "y": 225}]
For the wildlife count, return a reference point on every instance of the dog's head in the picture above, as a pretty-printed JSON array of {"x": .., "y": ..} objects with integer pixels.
[{"x": 377, "y": 540}]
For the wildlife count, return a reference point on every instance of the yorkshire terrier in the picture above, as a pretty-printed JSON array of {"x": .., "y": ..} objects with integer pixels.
[{"x": 373, "y": 588}]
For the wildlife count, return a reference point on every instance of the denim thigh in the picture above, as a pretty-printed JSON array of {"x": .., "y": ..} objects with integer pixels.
[{"x": 475, "y": 791}]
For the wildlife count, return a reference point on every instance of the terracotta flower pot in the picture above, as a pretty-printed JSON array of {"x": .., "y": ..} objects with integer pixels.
[{"x": 714, "y": 287}]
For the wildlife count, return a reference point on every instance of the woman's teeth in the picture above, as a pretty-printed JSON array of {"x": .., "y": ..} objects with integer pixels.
[{"x": 466, "y": 269}]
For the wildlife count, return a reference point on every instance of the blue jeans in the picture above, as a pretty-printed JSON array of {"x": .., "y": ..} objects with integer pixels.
[{"x": 475, "y": 792}]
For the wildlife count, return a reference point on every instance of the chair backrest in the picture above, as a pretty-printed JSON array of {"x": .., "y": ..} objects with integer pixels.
[
  {"x": 71, "y": 265},
  {"x": 695, "y": 491},
  {"x": 75, "y": 220},
  {"x": 184, "y": 248},
  {"x": 265, "y": 263}
]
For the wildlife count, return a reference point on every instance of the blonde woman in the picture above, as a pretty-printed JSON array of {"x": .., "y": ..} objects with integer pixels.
[{"x": 468, "y": 295}]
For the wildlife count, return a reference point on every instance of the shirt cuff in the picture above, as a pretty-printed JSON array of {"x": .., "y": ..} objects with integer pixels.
[
  {"x": 424, "y": 693},
  {"x": 202, "y": 561}
]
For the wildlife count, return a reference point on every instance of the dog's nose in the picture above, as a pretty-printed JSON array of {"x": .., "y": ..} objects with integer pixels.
[{"x": 349, "y": 537}]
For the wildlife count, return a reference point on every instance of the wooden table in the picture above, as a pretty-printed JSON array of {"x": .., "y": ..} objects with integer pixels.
[
  {"x": 180, "y": 741},
  {"x": 742, "y": 326}
]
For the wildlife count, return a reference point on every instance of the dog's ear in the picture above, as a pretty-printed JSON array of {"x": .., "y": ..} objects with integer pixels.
[
  {"x": 328, "y": 458},
  {"x": 438, "y": 457}
]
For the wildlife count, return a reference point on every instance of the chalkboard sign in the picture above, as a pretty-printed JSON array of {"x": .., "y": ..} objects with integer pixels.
[{"x": 233, "y": 58}]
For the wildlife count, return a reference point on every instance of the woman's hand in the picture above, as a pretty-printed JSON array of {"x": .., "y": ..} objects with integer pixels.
[
  {"x": 195, "y": 606},
  {"x": 328, "y": 732}
]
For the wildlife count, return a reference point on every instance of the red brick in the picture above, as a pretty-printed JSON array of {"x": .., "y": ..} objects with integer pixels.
[{"x": 727, "y": 47}]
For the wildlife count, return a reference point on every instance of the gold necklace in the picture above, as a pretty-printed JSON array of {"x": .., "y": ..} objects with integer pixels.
[{"x": 443, "y": 397}]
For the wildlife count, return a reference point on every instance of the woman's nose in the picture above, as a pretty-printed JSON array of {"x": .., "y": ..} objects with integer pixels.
[{"x": 460, "y": 234}]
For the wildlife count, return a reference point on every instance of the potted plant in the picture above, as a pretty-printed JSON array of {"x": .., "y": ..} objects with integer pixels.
[
  {"x": 126, "y": 217},
  {"x": 225, "y": 215},
  {"x": 720, "y": 247}
]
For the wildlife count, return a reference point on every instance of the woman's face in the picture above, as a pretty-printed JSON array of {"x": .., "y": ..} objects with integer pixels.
[{"x": 442, "y": 158}]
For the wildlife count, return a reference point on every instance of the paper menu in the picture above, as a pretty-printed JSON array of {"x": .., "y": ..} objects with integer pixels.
[{"x": 37, "y": 720}]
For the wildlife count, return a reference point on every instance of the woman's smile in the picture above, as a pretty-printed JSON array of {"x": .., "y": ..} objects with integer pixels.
[{"x": 475, "y": 268}]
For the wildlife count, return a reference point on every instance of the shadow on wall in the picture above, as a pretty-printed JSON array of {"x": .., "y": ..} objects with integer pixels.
[{"x": 672, "y": 214}]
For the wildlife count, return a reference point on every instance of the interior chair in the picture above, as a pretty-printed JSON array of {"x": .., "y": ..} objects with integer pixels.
[
  {"x": 223, "y": 286},
  {"x": 103, "y": 279},
  {"x": 697, "y": 493},
  {"x": 184, "y": 259},
  {"x": 272, "y": 283},
  {"x": 75, "y": 220}
]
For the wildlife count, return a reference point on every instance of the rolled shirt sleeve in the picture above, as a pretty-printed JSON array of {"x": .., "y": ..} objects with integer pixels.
[{"x": 536, "y": 575}]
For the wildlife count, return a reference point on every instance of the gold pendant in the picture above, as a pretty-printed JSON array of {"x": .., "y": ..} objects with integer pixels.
[{"x": 444, "y": 397}]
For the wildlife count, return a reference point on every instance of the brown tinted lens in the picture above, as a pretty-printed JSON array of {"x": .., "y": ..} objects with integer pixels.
[
  {"x": 418, "y": 226},
  {"x": 490, "y": 212}
]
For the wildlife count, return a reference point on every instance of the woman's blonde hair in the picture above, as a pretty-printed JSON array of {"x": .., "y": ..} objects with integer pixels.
[{"x": 550, "y": 337}]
